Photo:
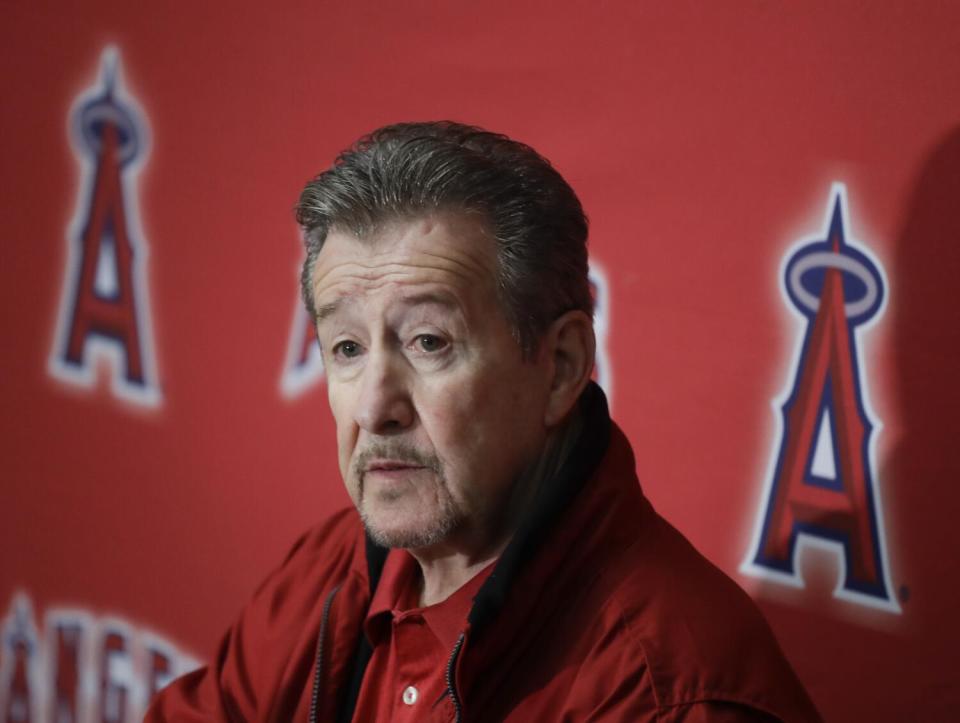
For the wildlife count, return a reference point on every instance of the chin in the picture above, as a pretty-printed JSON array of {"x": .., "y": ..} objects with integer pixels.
[{"x": 395, "y": 529}]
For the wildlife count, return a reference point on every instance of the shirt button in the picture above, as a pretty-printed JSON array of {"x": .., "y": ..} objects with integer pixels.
[{"x": 410, "y": 695}]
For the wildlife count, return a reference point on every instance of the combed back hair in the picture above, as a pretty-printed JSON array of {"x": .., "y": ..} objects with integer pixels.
[{"x": 411, "y": 170}]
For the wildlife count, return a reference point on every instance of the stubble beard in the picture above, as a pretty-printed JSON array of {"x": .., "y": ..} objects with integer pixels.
[{"x": 428, "y": 530}]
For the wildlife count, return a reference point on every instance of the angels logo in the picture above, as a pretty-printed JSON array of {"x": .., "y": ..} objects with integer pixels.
[
  {"x": 83, "y": 668},
  {"x": 304, "y": 364},
  {"x": 822, "y": 488},
  {"x": 104, "y": 307}
]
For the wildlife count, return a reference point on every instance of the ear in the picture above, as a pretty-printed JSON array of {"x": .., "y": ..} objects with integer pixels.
[{"x": 571, "y": 346}]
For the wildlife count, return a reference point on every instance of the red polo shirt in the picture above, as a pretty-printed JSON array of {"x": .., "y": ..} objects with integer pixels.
[{"x": 411, "y": 645}]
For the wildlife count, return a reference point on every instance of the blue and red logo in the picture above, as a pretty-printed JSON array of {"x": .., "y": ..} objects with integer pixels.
[
  {"x": 104, "y": 310},
  {"x": 822, "y": 489},
  {"x": 81, "y": 666}
]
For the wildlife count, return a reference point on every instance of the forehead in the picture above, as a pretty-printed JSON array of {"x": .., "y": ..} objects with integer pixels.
[{"x": 453, "y": 252}]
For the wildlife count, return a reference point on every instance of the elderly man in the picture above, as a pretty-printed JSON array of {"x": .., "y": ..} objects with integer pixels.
[{"x": 502, "y": 562}]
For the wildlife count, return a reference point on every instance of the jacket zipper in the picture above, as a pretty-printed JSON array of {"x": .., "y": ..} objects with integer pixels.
[
  {"x": 451, "y": 688},
  {"x": 315, "y": 697}
]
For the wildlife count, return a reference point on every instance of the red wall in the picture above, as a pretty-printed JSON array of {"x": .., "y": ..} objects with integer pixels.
[{"x": 704, "y": 140}]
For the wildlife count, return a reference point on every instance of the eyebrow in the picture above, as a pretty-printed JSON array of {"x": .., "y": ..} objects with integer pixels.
[
  {"x": 438, "y": 299},
  {"x": 327, "y": 310}
]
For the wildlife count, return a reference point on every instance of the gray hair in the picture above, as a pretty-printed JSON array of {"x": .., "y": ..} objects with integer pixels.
[{"x": 409, "y": 170}]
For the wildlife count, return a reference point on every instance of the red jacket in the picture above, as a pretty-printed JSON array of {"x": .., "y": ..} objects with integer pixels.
[{"x": 597, "y": 610}]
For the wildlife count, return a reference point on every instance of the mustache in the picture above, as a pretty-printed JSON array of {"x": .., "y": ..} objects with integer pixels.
[{"x": 397, "y": 451}]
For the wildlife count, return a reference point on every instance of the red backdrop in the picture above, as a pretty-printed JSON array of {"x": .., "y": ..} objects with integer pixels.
[{"x": 704, "y": 140}]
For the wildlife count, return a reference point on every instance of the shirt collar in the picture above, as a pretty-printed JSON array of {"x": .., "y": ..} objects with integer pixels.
[
  {"x": 397, "y": 595},
  {"x": 395, "y": 592}
]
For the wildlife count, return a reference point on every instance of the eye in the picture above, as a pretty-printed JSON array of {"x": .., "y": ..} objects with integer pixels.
[
  {"x": 347, "y": 349},
  {"x": 430, "y": 343}
]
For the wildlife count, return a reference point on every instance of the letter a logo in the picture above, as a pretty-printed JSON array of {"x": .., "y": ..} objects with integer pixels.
[
  {"x": 822, "y": 488},
  {"x": 304, "y": 365},
  {"x": 104, "y": 308}
]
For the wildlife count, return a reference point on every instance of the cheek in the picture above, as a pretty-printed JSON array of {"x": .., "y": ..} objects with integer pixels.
[
  {"x": 483, "y": 422},
  {"x": 340, "y": 408},
  {"x": 451, "y": 421},
  {"x": 447, "y": 425},
  {"x": 344, "y": 453},
  {"x": 512, "y": 422},
  {"x": 474, "y": 428}
]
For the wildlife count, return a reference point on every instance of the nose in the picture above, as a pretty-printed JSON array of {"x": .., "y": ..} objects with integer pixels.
[{"x": 384, "y": 405}]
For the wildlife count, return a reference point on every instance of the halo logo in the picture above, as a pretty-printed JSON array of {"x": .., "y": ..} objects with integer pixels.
[
  {"x": 822, "y": 488},
  {"x": 104, "y": 307}
]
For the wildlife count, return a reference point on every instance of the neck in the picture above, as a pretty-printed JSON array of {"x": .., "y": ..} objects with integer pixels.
[
  {"x": 441, "y": 575},
  {"x": 447, "y": 567}
]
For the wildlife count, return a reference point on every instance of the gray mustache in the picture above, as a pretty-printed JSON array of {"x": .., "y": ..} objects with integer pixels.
[{"x": 399, "y": 451}]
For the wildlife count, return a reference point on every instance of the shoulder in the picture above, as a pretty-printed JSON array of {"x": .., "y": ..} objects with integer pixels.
[
  {"x": 264, "y": 655},
  {"x": 321, "y": 559},
  {"x": 339, "y": 533},
  {"x": 323, "y": 554},
  {"x": 691, "y": 633},
  {"x": 701, "y": 637}
]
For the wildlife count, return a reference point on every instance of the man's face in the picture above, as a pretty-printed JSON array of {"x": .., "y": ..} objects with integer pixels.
[{"x": 437, "y": 412}]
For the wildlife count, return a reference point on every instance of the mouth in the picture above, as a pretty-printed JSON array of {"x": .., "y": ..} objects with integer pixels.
[
  {"x": 389, "y": 481},
  {"x": 390, "y": 470},
  {"x": 389, "y": 465}
]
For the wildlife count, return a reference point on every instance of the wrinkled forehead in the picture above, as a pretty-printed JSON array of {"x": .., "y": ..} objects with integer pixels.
[{"x": 453, "y": 250}]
